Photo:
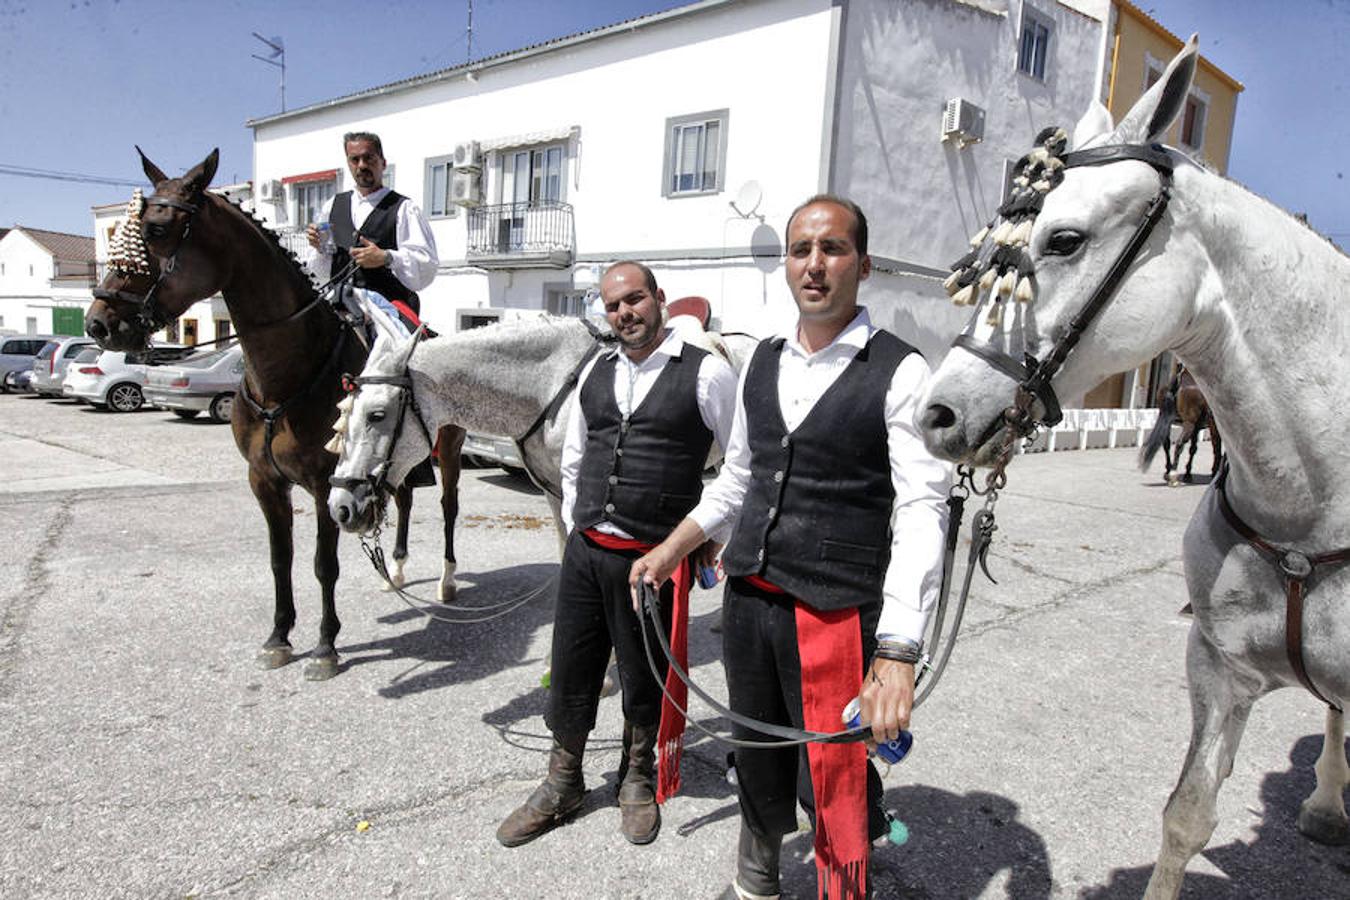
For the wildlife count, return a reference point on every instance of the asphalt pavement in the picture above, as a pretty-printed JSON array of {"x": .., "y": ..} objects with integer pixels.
[{"x": 146, "y": 755}]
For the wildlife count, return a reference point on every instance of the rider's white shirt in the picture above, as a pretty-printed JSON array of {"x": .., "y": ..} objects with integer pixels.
[
  {"x": 413, "y": 263},
  {"x": 716, "y": 396},
  {"x": 919, "y": 512}
]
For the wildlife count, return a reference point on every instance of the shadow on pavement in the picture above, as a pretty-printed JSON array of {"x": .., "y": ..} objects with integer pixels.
[
  {"x": 447, "y": 653},
  {"x": 1281, "y": 862}
]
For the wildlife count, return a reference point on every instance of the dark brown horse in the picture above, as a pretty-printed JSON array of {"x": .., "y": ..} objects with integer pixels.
[
  {"x": 296, "y": 350},
  {"x": 1181, "y": 400}
]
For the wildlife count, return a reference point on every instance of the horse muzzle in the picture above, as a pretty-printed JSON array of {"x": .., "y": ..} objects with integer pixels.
[{"x": 354, "y": 507}]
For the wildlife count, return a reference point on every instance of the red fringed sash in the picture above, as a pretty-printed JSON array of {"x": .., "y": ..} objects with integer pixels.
[
  {"x": 830, "y": 646},
  {"x": 670, "y": 733}
]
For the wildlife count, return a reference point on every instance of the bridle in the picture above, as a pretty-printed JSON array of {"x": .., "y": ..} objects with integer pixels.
[
  {"x": 377, "y": 479},
  {"x": 150, "y": 316},
  {"x": 1035, "y": 376}
]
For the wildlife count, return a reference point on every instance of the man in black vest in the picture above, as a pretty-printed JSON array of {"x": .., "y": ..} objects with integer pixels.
[
  {"x": 380, "y": 230},
  {"x": 835, "y": 558},
  {"x": 637, "y": 442}
]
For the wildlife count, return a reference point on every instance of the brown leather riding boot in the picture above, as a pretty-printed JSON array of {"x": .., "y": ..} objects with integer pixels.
[
  {"x": 641, "y": 816},
  {"x": 557, "y": 798}
]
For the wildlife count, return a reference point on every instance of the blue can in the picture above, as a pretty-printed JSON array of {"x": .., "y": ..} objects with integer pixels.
[
  {"x": 890, "y": 751},
  {"x": 707, "y": 577}
]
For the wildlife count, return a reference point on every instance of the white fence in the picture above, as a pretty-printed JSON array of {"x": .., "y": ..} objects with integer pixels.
[{"x": 1091, "y": 429}]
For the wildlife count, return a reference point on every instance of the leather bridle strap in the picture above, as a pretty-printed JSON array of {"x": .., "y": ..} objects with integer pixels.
[
  {"x": 551, "y": 408},
  {"x": 1296, "y": 568}
]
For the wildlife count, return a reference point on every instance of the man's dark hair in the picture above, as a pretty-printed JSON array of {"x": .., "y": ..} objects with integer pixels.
[
  {"x": 646, "y": 273},
  {"x": 859, "y": 234},
  {"x": 370, "y": 136}
]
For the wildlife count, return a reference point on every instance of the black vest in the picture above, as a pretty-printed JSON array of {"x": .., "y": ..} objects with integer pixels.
[
  {"x": 381, "y": 229},
  {"x": 645, "y": 474},
  {"x": 817, "y": 513}
]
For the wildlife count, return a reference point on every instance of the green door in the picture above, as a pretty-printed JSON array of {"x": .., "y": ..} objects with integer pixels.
[{"x": 67, "y": 320}]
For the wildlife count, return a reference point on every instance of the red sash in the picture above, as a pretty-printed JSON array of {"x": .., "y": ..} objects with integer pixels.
[
  {"x": 670, "y": 733},
  {"x": 829, "y": 643},
  {"x": 407, "y": 312}
]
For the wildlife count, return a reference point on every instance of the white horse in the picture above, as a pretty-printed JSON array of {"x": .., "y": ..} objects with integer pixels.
[
  {"x": 1249, "y": 298},
  {"x": 514, "y": 378}
]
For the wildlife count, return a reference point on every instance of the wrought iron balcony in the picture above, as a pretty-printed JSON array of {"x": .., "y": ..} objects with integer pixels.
[{"x": 509, "y": 235}]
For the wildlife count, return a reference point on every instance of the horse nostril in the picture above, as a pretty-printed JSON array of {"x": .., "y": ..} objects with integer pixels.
[
  {"x": 96, "y": 330},
  {"x": 343, "y": 514},
  {"x": 938, "y": 416}
]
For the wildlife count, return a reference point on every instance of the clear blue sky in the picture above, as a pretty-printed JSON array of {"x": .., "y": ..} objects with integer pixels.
[{"x": 81, "y": 81}]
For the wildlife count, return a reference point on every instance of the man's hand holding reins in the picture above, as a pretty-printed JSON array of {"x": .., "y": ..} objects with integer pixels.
[
  {"x": 660, "y": 563},
  {"x": 887, "y": 698}
]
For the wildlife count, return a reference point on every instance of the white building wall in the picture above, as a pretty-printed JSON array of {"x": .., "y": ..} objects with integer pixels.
[
  {"x": 765, "y": 62},
  {"x": 27, "y": 292},
  {"x": 902, "y": 60}
]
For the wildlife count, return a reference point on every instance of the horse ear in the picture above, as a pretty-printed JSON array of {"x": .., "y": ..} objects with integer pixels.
[
  {"x": 199, "y": 176},
  {"x": 1095, "y": 123},
  {"x": 151, "y": 170},
  {"x": 1155, "y": 112}
]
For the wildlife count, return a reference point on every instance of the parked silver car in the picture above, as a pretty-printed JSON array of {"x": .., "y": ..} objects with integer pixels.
[
  {"x": 203, "y": 383},
  {"x": 52, "y": 361},
  {"x": 114, "y": 378},
  {"x": 17, "y": 353}
]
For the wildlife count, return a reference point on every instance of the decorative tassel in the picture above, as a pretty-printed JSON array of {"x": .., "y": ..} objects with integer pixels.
[
  {"x": 995, "y": 317},
  {"x": 1023, "y": 292},
  {"x": 965, "y": 261},
  {"x": 950, "y": 285},
  {"x": 1002, "y": 231},
  {"x": 979, "y": 237},
  {"x": 1021, "y": 235},
  {"x": 1043, "y": 186},
  {"x": 346, "y": 403},
  {"x": 987, "y": 279},
  {"x": 964, "y": 296},
  {"x": 334, "y": 445},
  {"x": 1007, "y": 284}
]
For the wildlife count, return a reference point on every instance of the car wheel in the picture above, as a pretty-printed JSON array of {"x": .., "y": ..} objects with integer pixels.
[
  {"x": 221, "y": 407},
  {"x": 125, "y": 397},
  {"x": 186, "y": 413}
]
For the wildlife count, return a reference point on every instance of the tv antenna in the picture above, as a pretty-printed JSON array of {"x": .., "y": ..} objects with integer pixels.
[{"x": 276, "y": 58}]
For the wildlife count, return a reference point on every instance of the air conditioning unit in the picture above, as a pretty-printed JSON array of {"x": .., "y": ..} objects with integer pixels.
[
  {"x": 271, "y": 191},
  {"x": 466, "y": 188},
  {"x": 469, "y": 156},
  {"x": 963, "y": 122}
]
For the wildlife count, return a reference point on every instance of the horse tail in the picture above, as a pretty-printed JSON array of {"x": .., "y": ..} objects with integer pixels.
[{"x": 1162, "y": 429}]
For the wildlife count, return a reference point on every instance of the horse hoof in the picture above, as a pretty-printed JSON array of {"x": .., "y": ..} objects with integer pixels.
[
  {"x": 274, "y": 657},
  {"x": 321, "y": 669},
  {"x": 447, "y": 593},
  {"x": 1324, "y": 827}
]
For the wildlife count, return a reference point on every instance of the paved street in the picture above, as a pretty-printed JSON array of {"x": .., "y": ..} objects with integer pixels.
[{"x": 148, "y": 756}]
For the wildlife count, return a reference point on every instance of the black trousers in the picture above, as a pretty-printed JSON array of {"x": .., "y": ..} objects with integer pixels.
[
  {"x": 764, "y": 678},
  {"x": 594, "y": 613}
]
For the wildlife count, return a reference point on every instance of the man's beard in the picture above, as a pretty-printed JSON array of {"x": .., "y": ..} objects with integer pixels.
[{"x": 642, "y": 339}]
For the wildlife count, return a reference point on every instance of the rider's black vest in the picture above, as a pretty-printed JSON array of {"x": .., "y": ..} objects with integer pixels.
[
  {"x": 816, "y": 519},
  {"x": 381, "y": 229},
  {"x": 645, "y": 474}
]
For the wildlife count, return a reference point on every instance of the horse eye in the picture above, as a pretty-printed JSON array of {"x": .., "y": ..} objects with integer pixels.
[
  {"x": 1064, "y": 242},
  {"x": 155, "y": 231},
  {"x": 375, "y": 415}
]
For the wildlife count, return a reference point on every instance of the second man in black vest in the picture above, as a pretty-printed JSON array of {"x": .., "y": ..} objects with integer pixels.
[{"x": 632, "y": 464}]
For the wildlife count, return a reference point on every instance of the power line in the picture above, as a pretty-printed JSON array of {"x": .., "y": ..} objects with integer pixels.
[{"x": 55, "y": 175}]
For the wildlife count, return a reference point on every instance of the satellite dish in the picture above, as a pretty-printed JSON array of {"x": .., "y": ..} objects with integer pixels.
[{"x": 748, "y": 199}]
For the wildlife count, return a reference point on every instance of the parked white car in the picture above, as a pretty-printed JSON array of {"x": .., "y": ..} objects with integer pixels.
[
  {"x": 206, "y": 383},
  {"x": 115, "y": 378}
]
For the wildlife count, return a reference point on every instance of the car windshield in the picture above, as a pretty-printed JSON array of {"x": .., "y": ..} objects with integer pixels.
[
  {"x": 47, "y": 350},
  {"x": 88, "y": 355}
]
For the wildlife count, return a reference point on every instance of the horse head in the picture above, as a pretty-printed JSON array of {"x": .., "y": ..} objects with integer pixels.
[
  {"x": 1073, "y": 219},
  {"x": 379, "y": 437},
  {"x": 158, "y": 252}
]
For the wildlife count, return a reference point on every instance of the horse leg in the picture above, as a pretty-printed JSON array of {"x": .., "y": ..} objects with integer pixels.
[
  {"x": 274, "y": 499},
  {"x": 403, "y": 499},
  {"x": 449, "y": 444},
  {"x": 1322, "y": 816},
  {"x": 1220, "y": 704},
  {"x": 1216, "y": 445},
  {"x": 323, "y": 659}
]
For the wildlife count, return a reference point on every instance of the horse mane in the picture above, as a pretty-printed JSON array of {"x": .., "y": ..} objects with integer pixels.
[{"x": 272, "y": 241}]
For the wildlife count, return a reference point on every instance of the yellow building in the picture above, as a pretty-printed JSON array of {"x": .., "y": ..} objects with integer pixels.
[{"x": 1138, "y": 49}]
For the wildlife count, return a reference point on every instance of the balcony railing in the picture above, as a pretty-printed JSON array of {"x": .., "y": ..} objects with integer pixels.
[{"x": 521, "y": 234}]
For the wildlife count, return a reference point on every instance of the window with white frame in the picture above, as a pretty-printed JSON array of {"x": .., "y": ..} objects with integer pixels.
[
  {"x": 439, "y": 172},
  {"x": 1033, "y": 48},
  {"x": 1193, "y": 121},
  {"x": 308, "y": 199},
  {"x": 532, "y": 175},
  {"x": 696, "y": 154}
]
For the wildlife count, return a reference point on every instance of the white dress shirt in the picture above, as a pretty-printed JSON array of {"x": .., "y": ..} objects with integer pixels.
[
  {"x": 632, "y": 382},
  {"x": 919, "y": 512},
  {"x": 413, "y": 263}
]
